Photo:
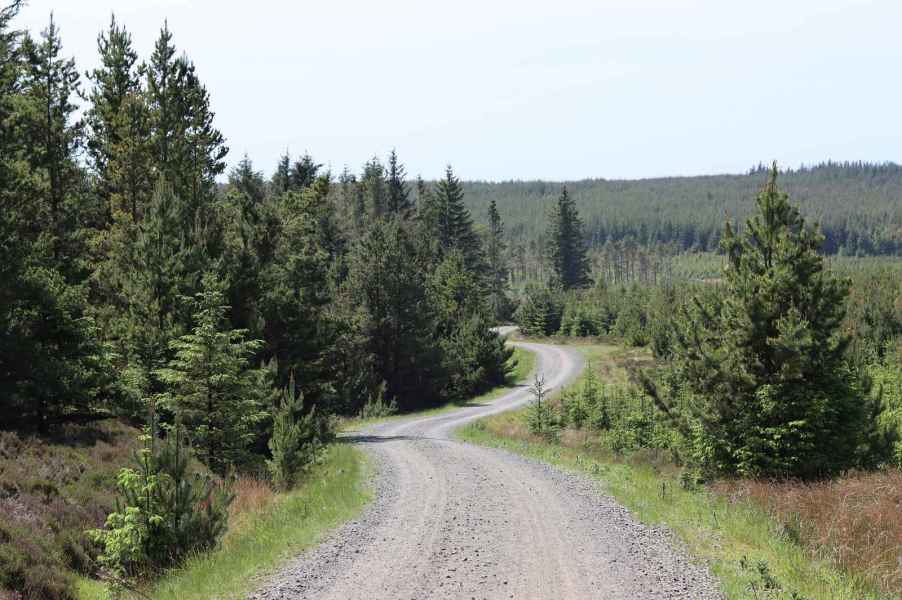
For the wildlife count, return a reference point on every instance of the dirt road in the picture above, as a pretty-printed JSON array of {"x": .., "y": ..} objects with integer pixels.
[{"x": 451, "y": 520}]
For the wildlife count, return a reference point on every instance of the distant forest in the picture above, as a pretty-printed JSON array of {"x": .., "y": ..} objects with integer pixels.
[{"x": 858, "y": 205}]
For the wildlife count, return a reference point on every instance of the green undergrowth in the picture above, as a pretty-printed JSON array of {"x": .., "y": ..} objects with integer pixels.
[
  {"x": 333, "y": 493},
  {"x": 523, "y": 362},
  {"x": 745, "y": 548},
  {"x": 752, "y": 554}
]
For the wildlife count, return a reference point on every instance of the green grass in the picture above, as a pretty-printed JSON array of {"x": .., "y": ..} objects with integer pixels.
[
  {"x": 523, "y": 362},
  {"x": 334, "y": 493},
  {"x": 734, "y": 538}
]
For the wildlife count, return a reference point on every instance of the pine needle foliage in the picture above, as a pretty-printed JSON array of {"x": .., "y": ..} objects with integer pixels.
[{"x": 769, "y": 392}]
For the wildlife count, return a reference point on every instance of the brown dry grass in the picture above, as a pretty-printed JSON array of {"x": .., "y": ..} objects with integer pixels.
[
  {"x": 855, "y": 520},
  {"x": 252, "y": 496}
]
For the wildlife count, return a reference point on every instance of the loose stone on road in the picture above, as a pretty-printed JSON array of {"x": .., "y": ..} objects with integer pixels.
[{"x": 452, "y": 520}]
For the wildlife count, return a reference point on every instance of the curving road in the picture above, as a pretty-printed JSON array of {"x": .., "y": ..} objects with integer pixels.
[{"x": 452, "y": 520}]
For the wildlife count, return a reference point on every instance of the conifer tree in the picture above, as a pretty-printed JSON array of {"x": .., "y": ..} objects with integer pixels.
[
  {"x": 116, "y": 83},
  {"x": 188, "y": 150},
  {"x": 252, "y": 228},
  {"x": 566, "y": 247},
  {"x": 448, "y": 221},
  {"x": 374, "y": 189},
  {"x": 497, "y": 266},
  {"x": 386, "y": 299},
  {"x": 303, "y": 173},
  {"x": 211, "y": 388},
  {"x": 540, "y": 311},
  {"x": 475, "y": 357},
  {"x": 52, "y": 367},
  {"x": 298, "y": 435},
  {"x": 296, "y": 291},
  {"x": 398, "y": 202},
  {"x": 53, "y": 136},
  {"x": 770, "y": 394},
  {"x": 150, "y": 277},
  {"x": 281, "y": 179}
]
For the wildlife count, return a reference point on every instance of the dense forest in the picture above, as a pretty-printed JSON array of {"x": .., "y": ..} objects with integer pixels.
[
  {"x": 230, "y": 322},
  {"x": 858, "y": 205}
]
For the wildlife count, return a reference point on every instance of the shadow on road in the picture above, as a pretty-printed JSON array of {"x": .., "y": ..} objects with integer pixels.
[{"x": 381, "y": 439}]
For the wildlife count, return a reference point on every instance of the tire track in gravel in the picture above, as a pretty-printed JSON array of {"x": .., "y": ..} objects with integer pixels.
[{"x": 450, "y": 520}]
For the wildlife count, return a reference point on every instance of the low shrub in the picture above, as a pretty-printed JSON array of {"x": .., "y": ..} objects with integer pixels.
[
  {"x": 164, "y": 513},
  {"x": 51, "y": 488},
  {"x": 298, "y": 438}
]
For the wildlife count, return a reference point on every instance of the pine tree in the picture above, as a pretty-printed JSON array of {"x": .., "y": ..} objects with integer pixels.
[
  {"x": 298, "y": 436},
  {"x": 188, "y": 150},
  {"x": 566, "y": 245},
  {"x": 398, "y": 202},
  {"x": 763, "y": 366},
  {"x": 53, "y": 137},
  {"x": 110, "y": 118},
  {"x": 211, "y": 388},
  {"x": 52, "y": 367}
]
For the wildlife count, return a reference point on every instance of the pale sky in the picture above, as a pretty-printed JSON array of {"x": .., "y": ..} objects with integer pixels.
[{"x": 531, "y": 90}]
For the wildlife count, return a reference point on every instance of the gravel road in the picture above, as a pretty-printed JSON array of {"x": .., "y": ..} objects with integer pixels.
[{"x": 452, "y": 520}]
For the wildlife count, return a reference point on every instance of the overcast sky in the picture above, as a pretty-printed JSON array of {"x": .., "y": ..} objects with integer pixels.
[{"x": 526, "y": 90}]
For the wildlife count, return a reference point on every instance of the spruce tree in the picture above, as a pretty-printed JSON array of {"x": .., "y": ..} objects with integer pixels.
[
  {"x": 567, "y": 250},
  {"x": 385, "y": 297},
  {"x": 212, "y": 389},
  {"x": 398, "y": 202},
  {"x": 449, "y": 223},
  {"x": 281, "y": 179},
  {"x": 296, "y": 291},
  {"x": 374, "y": 188},
  {"x": 496, "y": 248},
  {"x": 763, "y": 368},
  {"x": 475, "y": 357},
  {"x": 150, "y": 276},
  {"x": 303, "y": 173}
]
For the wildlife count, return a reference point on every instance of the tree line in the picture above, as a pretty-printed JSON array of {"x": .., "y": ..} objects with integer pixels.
[{"x": 858, "y": 206}]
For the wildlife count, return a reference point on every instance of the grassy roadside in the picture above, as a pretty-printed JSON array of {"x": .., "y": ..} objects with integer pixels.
[
  {"x": 260, "y": 537},
  {"x": 753, "y": 554},
  {"x": 523, "y": 362},
  {"x": 260, "y": 540}
]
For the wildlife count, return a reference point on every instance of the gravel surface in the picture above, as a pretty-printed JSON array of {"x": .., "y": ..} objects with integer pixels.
[{"x": 452, "y": 520}]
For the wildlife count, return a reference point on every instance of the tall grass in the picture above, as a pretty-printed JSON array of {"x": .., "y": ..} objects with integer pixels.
[
  {"x": 834, "y": 540},
  {"x": 854, "y": 521},
  {"x": 751, "y": 554}
]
